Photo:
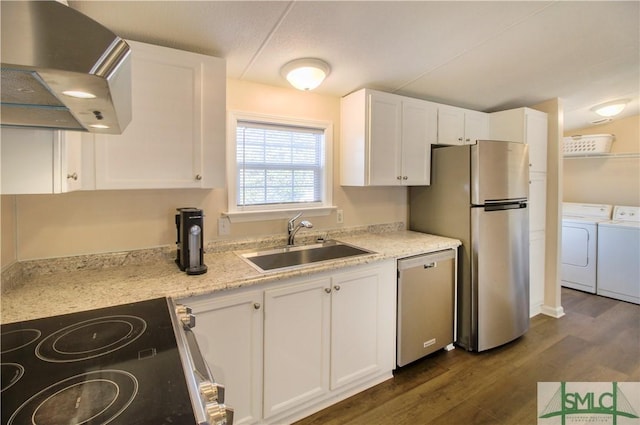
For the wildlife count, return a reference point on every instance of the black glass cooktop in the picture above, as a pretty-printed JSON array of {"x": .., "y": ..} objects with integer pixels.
[{"x": 117, "y": 365}]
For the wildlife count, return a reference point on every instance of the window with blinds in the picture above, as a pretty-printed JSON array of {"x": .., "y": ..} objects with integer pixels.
[{"x": 279, "y": 164}]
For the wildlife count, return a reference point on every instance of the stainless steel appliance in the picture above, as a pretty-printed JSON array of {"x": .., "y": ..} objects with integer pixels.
[
  {"x": 190, "y": 241},
  {"x": 62, "y": 70},
  {"x": 127, "y": 364},
  {"x": 478, "y": 194},
  {"x": 426, "y": 305}
]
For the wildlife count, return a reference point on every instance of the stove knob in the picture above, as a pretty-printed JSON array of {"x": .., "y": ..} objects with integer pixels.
[
  {"x": 212, "y": 392},
  {"x": 186, "y": 316},
  {"x": 219, "y": 414}
]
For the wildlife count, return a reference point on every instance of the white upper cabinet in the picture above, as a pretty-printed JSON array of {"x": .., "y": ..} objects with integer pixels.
[
  {"x": 40, "y": 161},
  {"x": 176, "y": 138},
  {"x": 458, "y": 126},
  {"x": 523, "y": 125},
  {"x": 418, "y": 133},
  {"x": 386, "y": 139}
]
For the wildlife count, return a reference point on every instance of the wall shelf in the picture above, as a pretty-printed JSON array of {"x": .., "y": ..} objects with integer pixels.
[{"x": 605, "y": 155}]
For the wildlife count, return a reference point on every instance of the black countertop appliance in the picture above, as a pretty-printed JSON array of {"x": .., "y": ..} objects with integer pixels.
[{"x": 190, "y": 240}]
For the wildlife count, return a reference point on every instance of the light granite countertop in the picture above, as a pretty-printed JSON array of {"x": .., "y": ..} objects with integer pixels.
[{"x": 83, "y": 288}]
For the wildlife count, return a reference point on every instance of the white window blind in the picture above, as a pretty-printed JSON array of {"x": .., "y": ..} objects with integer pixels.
[{"x": 278, "y": 164}]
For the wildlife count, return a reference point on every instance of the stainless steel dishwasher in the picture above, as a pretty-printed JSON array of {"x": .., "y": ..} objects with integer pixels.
[{"x": 426, "y": 305}]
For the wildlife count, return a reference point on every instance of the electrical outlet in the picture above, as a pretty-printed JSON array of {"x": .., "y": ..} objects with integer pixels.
[
  {"x": 224, "y": 226},
  {"x": 339, "y": 216}
]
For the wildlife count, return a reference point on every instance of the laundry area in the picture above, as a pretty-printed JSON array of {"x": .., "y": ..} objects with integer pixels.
[{"x": 601, "y": 213}]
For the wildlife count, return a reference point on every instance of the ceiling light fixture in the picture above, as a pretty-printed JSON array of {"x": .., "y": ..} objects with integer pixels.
[
  {"x": 305, "y": 74},
  {"x": 609, "y": 109}
]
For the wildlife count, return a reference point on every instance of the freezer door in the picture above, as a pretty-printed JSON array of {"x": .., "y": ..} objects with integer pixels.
[
  {"x": 499, "y": 275},
  {"x": 499, "y": 171}
]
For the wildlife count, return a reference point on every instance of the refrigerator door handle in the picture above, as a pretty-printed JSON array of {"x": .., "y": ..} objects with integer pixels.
[{"x": 505, "y": 206}]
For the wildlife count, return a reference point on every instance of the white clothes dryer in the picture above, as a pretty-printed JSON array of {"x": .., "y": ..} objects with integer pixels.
[
  {"x": 619, "y": 255},
  {"x": 578, "y": 269}
]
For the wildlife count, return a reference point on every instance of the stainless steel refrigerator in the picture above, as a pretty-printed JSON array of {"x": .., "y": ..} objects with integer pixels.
[{"x": 479, "y": 195}]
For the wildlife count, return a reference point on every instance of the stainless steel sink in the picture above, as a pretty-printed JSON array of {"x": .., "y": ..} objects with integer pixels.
[{"x": 290, "y": 257}]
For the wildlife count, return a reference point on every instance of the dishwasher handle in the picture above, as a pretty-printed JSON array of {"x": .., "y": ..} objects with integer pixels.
[{"x": 426, "y": 260}]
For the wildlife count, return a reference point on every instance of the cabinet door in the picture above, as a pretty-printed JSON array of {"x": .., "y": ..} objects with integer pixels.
[
  {"x": 69, "y": 144},
  {"x": 38, "y": 161},
  {"x": 419, "y": 130},
  {"x": 537, "y": 222},
  {"x": 385, "y": 132},
  {"x": 296, "y": 344},
  {"x": 537, "y": 201},
  {"x": 355, "y": 326},
  {"x": 536, "y": 272},
  {"x": 450, "y": 125},
  {"x": 536, "y": 133},
  {"x": 476, "y": 127},
  {"x": 178, "y": 116},
  {"x": 229, "y": 333}
]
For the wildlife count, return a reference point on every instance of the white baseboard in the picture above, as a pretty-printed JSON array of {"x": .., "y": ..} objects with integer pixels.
[{"x": 556, "y": 312}]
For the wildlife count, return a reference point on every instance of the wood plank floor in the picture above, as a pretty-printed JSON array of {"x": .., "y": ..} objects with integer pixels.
[{"x": 598, "y": 339}]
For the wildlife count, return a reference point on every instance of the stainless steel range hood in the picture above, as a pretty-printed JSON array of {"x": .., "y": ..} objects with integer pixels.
[{"x": 51, "y": 52}]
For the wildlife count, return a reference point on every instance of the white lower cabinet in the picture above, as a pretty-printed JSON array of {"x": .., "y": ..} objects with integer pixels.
[
  {"x": 302, "y": 344},
  {"x": 229, "y": 333},
  {"x": 296, "y": 349},
  {"x": 357, "y": 328}
]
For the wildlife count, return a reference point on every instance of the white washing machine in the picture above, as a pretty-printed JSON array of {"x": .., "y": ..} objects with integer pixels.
[
  {"x": 578, "y": 268},
  {"x": 619, "y": 255}
]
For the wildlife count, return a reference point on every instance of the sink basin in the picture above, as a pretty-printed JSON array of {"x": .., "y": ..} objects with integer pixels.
[{"x": 295, "y": 256}]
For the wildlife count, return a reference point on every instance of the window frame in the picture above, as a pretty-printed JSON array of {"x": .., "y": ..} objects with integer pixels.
[{"x": 265, "y": 212}]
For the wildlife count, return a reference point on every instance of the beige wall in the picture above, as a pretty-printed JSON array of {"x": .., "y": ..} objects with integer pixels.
[
  {"x": 8, "y": 234},
  {"x": 109, "y": 221},
  {"x": 612, "y": 180}
]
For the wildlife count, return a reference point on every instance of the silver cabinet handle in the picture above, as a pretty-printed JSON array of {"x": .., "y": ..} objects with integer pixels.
[
  {"x": 337, "y": 287},
  {"x": 198, "y": 177},
  {"x": 459, "y": 139},
  {"x": 399, "y": 178},
  {"x": 405, "y": 177},
  {"x": 327, "y": 290},
  {"x": 73, "y": 176},
  {"x": 256, "y": 306}
]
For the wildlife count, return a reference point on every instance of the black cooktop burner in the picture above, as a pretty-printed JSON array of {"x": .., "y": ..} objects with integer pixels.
[
  {"x": 10, "y": 374},
  {"x": 98, "y": 397},
  {"x": 15, "y": 340},
  {"x": 118, "y": 366},
  {"x": 90, "y": 338}
]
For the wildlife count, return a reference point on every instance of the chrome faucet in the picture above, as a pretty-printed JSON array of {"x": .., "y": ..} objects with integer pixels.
[{"x": 292, "y": 228}]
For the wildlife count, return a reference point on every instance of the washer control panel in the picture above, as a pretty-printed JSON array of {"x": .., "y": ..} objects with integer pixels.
[{"x": 623, "y": 213}]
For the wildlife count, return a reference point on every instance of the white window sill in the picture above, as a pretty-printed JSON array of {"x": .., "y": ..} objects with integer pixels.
[{"x": 246, "y": 216}]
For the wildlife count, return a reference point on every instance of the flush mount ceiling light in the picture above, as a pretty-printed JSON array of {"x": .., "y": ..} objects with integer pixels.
[
  {"x": 305, "y": 74},
  {"x": 609, "y": 109}
]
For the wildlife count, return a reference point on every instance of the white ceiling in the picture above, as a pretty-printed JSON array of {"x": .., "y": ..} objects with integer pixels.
[{"x": 486, "y": 56}]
